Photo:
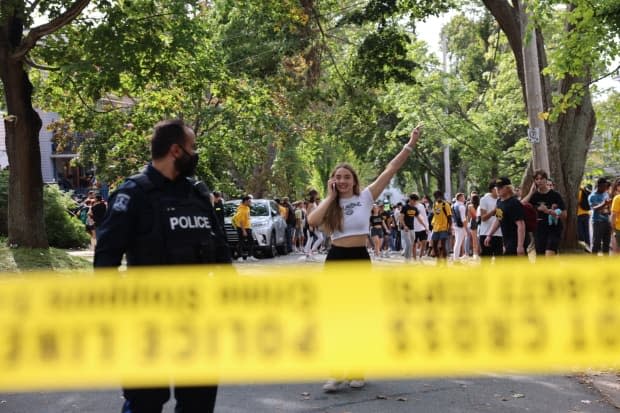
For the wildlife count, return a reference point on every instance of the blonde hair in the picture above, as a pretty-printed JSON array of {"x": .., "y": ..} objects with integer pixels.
[{"x": 333, "y": 217}]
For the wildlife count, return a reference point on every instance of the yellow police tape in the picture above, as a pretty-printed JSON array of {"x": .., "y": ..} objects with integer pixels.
[{"x": 187, "y": 325}]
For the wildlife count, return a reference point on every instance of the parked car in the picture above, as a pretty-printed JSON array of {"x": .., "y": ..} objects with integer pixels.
[{"x": 268, "y": 227}]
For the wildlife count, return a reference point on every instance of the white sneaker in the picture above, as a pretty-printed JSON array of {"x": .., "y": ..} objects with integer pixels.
[
  {"x": 240, "y": 259},
  {"x": 585, "y": 246},
  {"x": 253, "y": 259},
  {"x": 332, "y": 385},
  {"x": 311, "y": 258},
  {"x": 357, "y": 384}
]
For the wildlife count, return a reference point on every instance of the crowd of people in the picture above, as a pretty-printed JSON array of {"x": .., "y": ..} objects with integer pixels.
[{"x": 500, "y": 222}]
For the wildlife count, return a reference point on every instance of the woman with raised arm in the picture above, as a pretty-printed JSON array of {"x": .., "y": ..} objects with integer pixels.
[{"x": 345, "y": 214}]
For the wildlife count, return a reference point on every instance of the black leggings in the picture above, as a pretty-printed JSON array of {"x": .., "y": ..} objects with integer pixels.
[{"x": 199, "y": 399}]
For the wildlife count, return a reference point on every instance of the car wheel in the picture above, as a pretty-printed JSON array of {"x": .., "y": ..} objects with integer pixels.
[{"x": 271, "y": 250}]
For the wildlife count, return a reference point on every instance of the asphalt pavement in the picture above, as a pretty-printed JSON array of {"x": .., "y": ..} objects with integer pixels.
[{"x": 489, "y": 393}]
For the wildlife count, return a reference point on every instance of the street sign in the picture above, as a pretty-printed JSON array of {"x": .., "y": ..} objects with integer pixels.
[{"x": 533, "y": 135}]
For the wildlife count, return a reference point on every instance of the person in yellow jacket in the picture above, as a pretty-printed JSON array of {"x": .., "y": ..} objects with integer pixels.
[
  {"x": 241, "y": 220},
  {"x": 583, "y": 217}
]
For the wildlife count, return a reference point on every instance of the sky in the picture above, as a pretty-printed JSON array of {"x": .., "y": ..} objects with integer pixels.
[{"x": 430, "y": 29}]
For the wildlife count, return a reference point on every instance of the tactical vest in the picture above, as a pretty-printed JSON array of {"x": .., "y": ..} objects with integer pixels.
[{"x": 177, "y": 230}]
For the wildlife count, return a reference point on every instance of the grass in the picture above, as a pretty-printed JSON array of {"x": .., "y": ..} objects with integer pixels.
[{"x": 31, "y": 259}]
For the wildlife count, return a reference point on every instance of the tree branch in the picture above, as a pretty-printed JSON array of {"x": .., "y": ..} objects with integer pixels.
[
  {"x": 605, "y": 75},
  {"x": 48, "y": 28},
  {"x": 329, "y": 52},
  {"x": 509, "y": 21},
  {"x": 31, "y": 63}
]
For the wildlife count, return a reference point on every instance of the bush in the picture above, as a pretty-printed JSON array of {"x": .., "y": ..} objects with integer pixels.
[{"x": 63, "y": 229}]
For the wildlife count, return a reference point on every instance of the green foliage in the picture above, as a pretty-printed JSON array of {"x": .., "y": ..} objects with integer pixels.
[
  {"x": 382, "y": 56},
  {"x": 280, "y": 91},
  {"x": 604, "y": 154},
  {"x": 63, "y": 229}
]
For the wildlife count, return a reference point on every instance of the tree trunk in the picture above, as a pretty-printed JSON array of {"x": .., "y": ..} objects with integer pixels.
[
  {"x": 26, "y": 224},
  {"x": 570, "y": 136}
]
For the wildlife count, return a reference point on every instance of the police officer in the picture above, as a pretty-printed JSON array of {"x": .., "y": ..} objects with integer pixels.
[
  {"x": 218, "y": 205},
  {"x": 163, "y": 217}
]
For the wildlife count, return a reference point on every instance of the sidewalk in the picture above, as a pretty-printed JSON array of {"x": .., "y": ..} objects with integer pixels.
[{"x": 86, "y": 254}]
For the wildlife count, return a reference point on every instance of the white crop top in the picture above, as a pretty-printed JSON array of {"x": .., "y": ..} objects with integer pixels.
[{"x": 356, "y": 215}]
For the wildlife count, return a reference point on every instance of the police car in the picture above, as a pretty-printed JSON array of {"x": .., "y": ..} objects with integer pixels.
[{"x": 268, "y": 227}]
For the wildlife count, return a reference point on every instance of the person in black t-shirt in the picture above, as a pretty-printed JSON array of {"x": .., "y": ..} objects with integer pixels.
[
  {"x": 377, "y": 229},
  {"x": 510, "y": 215},
  {"x": 551, "y": 211}
]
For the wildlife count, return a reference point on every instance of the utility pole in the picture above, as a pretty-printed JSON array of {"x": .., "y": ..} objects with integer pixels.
[
  {"x": 446, "y": 148},
  {"x": 537, "y": 133}
]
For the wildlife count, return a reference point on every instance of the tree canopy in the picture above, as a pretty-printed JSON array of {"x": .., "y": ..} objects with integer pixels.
[{"x": 279, "y": 92}]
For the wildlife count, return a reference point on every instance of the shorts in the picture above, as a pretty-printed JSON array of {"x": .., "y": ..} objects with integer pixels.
[
  {"x": 420, "y": 236},
  {"x": 547, "y": 239},
  {"x": 376, "y": 232},
  {"x": 347, "y": 253},
  {"x": 440, "y": 235}
]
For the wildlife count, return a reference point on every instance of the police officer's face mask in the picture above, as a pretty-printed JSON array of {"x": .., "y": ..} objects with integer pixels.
[{"x": 186, "y": 164}]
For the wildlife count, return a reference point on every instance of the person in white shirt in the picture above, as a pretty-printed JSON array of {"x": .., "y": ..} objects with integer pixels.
[
  {"x": 345, "y": 215},
  {"x": 487, "y": 218},
  {"x": 460, "y": 230}
]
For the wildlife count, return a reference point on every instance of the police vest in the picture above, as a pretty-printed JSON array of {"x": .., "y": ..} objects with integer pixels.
[{"x": 177, "y": 230}]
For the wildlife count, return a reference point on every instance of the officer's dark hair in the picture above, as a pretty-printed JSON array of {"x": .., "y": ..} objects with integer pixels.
[
  {"x": 245, "y": 198},
  {"x": 166, "y": 134}
]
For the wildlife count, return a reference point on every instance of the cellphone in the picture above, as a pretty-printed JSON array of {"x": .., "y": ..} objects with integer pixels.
[{"x": 334, "y": 187}]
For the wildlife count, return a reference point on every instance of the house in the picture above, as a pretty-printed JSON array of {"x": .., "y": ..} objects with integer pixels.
[{"x": 54, "y": 165}]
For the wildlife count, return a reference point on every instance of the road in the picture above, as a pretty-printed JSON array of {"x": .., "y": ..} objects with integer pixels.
[{"x": 486, "y": 393}]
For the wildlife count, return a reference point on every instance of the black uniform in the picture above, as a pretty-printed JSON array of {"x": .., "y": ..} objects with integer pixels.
[{"x": 156, "y": 221}]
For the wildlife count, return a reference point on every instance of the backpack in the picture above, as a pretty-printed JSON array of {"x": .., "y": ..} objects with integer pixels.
[
  {"x": 458, "y": 220},
  {"x": 583, "y": 203},
  {"x": 531, "y": 217}
]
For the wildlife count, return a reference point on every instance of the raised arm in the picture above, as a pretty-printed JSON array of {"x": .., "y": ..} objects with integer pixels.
[{"x": 395, "y": 164}]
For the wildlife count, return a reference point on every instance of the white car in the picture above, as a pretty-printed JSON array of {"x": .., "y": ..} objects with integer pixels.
[{"x": 268, "y": 227}]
